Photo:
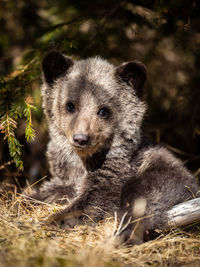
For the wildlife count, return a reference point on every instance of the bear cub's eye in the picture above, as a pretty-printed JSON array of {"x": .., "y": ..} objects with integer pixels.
[
  {"x": 103, "y": 113},
  {"x": 70, "y": 107}
]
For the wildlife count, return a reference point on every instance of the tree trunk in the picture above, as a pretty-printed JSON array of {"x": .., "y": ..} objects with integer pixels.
[{"x": 183, "y": 214}]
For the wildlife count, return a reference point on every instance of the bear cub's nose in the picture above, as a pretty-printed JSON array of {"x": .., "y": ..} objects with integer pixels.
[{"x": 81, "y": 139}]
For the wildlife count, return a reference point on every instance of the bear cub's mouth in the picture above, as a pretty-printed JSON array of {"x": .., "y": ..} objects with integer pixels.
[
  {"x": 87, "y": 149},
  {"x": 81, "y": 147}
]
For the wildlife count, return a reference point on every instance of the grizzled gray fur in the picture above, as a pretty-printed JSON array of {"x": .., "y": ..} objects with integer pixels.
[{"x": 99, "y": 160}]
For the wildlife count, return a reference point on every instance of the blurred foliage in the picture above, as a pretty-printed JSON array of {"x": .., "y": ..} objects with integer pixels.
[{"x": 165, "y": 35}]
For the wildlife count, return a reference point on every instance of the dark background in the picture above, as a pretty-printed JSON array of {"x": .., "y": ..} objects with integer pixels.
[{"x": 164, "y": 35}]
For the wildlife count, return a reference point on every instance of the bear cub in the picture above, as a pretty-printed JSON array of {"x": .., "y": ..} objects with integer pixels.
[{"x": 99, "y": 160}]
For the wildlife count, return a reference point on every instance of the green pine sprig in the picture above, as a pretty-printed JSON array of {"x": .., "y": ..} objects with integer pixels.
[
  {"x": 29, "y": 131},
  {"x": 7, "y": 127},
  {"x": 15, "y": 105}
]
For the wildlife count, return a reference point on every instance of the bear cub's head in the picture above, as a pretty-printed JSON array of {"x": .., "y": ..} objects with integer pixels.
[{"x": 91, "y": 102}]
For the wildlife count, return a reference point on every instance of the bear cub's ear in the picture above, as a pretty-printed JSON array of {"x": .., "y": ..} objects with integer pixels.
[
  {"x": 55, "y": 65},
  {"x": 134, "y": 74}
]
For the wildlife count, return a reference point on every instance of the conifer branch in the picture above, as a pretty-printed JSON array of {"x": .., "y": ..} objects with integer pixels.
[
  {"x": 7, "y": 127},
  {"x": 29, "y": 131}
]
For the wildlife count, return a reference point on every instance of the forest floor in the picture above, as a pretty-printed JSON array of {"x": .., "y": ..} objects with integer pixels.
[{"x": 25, "y": 241}]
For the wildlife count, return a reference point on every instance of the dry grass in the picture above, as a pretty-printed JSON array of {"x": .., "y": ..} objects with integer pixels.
[{"x": 24, "y": 241}]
